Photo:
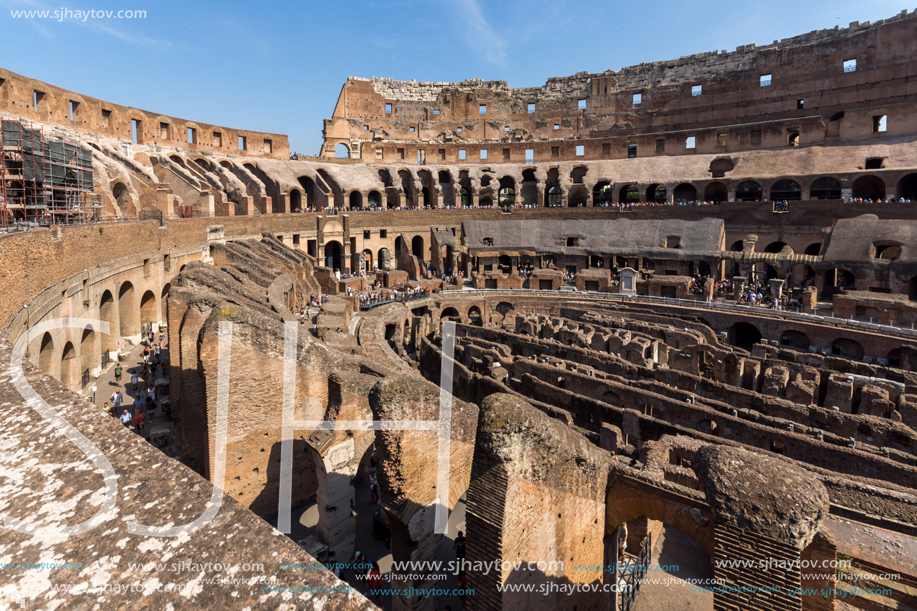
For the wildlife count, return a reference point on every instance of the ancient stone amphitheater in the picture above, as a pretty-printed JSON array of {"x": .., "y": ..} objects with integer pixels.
[{"x": 646, "y": 337}]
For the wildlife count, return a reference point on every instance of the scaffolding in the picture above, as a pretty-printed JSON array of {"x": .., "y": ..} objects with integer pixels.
[{"x": 45, "y": 178}]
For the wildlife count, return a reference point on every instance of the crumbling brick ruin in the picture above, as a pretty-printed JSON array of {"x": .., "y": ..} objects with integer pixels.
[{"x": 620, "y": 395}]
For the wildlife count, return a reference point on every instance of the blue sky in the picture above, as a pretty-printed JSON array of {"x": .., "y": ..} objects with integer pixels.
[{"x": 279, "y": 67}]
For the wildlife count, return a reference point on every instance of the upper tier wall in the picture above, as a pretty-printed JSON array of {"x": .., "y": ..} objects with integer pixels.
[
  {"x": 28, "y": 98},
  {"x": 731, "y": 101}
]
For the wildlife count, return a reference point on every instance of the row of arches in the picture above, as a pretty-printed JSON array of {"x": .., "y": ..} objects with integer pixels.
[
  {"x": 506, "y": 192},
  {"x": 745, "y": 335},
  {"x": 333, "y": 252},
  {"x": 125, "y": 314}
]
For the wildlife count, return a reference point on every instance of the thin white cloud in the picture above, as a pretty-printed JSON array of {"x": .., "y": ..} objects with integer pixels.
[{"x": 480, "y": 36}]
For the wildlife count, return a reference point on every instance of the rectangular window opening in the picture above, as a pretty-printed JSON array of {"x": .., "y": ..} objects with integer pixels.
[
  {"x": 243, "y": 143},
  {"x": 435, "y": 112},
  {"x": 367, "y": 234},
  {"x": 581, "y": 104},
  {"x": 166, "y": 262},
  {"x": 660, "y": 146},
  {"x": 383, "y": 233},
  {"x": 580, "y": 150},
  {"x": 765, "y": 80},
  {"x": 874, "y": 163},
  {"x": 136, "y": 133},
  {"x": 388, "y": 109},
  {"x": 631, "y": 151},
  {"x": 459, "y": 130},
  {"x": 696, "y": 90},
  {"x": 721, "y": 139},
  {"x": 557, "y": 126},
  {"x": 879, "y": 123},
  {"x": 268, "y": 146},
  {"x": 37, "y": 97},
  {"x": 792, "y": 137},
  {"x": 217, "y": 139},
  {"x": 74, "y": 106},
  {"x": 461, "y": 153},
  {"x": 690, "y": 142},
  {"x": 506, "y": 154},
  {"x": 483, "y": 153},
  {"x": 800, "y": 104},
  {"x": 506, "y": 128},
  {"x": 850, "y": 65},
  {"x": 400, "y": 153},
  {"x": 638, "y": 99},
  {"x": 412, "y": 130},
  {"x": 366, "y": 128},
  {"x": 530, "y": 155},
  {"x": 442, "y": 154},
  {"x": 163, "y": 131},
  {"x": 482, "y": 109},
  {"x": 555, "y": 151},
  {"x": 531, "y": 106},
  {"x": 606, "y": 148},
  {"x": 192, "y": 135}
]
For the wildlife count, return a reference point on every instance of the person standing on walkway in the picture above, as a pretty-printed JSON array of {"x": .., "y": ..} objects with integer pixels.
[
  {"x": 162, "y": 338},
  {"x": 116, "y": 398},
  {"x": 459, "y": 547},
  {"x": 134, "y": 378},
  {"x": 150, "y": 410},
  {"x": 126, "y": 419},
  {"x": 118, "y": 374},
  {"x": 139, "y": 418},
  {"x": 146, "y": 354}
]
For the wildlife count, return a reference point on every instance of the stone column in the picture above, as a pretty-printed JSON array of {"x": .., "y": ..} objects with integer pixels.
[
  {"x": 809, "y": 300},
  {"x": 738, "y": 285},
  {"x": 708, "y": 289},
  {"x": 776, "y": 287}
]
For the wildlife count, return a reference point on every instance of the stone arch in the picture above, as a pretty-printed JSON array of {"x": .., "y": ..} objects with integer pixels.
[
  {"x": 374, "y": 199},
  {"x": 846, "y": 347},
  {"x": 656, "y": 193},
  {"x": 602, "y": 193},
  {"x": 628, "y": 194},
  {"x": 685, "y": 192},
  {"x": 163, "y": 302},
  {"x": 333, "y": 254},
  {"x": 528, "y": 191},
  {"x": 504, "y": 307},
  {"x": 446, "y": 187},
  {"x": 295, "y": 200},
  {"x": 577, "y": 196},
  {"x": 907, "y": 188},
  {"x": 177, "y": 159},
  {"x": 128, "y": 312},
  {"x": 795, "y": 339},
  {"x": 313, "y": 196},
  {"x": 743, "y": 335},
  {"x": 449, "y": 312},
  {"x": 716, "y": 192},
  {"x": 88, "y": 351},
  {"x": 869, "y": 187},
  {"x": 341, "y": 151},
  {"x": 417, "y": 247},
  {"x": 46, "y": 360},
  {"x": 825, "y": 187},
  {"x": 776, "y": 247},
  {"x": 148, "y": 314},
  {"x": 123, "y": 199},
  {"x": 625, "y": 506},
  {"x": 749, "y": 191},
  {"x": 474, "y": 316},
  {"x": 813, "y": 249},
  {"x": 108, "y": 312},
  {"x": 555, "y": 197},
  {"x": 368, "y": 258},
  {"x": 355, "y": 200},
  {"x": 786, "y": 190},
  {"x": 69, "y": 376}
]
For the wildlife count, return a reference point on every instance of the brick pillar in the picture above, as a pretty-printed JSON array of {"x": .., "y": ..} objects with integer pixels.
[
  {"x": 708, "y": 289},
  {"x": 514, "y": 515},
  {"x": 809, "y": 300},
  {"x": 268, "y": 205}
]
